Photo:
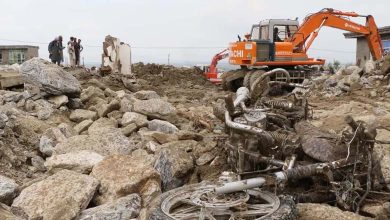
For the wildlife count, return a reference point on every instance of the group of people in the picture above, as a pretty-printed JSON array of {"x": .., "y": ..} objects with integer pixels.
[{"x": 56, "y": 48}]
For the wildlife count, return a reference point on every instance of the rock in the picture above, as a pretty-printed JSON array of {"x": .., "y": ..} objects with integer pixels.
[
  {"x": 174, "y": 165},
  {"x": 83, "y": 126},
  {"x": 158, "y": 136},
  {"x": 44, "y": 109},
  {"x": 79, "y": 161},
  {"x": 6, "y": 214},
  {"x": 385, "y": 68},
  {"x": 155, "y": 108},
  {"x": 205, "y": 158},
  {"x": 75, "y": 103},
  {"x": 330, "y": 82},
  {"x": 120, "y": 94},
  {"x": 38, "y": 163},
  {"x": 162, "y": 126},
  {"x": 187, "y": 135},
  {"x": 349, "y": 70},
  {"x": 50, "y": 78},
  {"x": 107, "y": 108},
  {"x": 110, "y": 93},
  {"x": 115, "y": 114},
  {"x": 102, "y": 126},
  {"x": 122, "y": 175},
  {"x": 309, "y": 211},
  {"x": 373, "y": 93},
  {"x": 146, "y": 94},
  {"x": 58, "y": 100},
  {"x": 136, "y": 118},
  {"x": 124, "y": 208},
  {"x": 66, "y": 130},
  {"x": 113, "y": 142},
  {"x": 8, "y": 190},
  {"x": 353, "y": 80},
  {"x": 142, "y": 154},
  {"x": 153, "y": 146},
  {"x": 129, "y": 129},
  {"x": 126, "y": 105},
  {"x": 61, "y": 196},
  {"x": 369, "y": 66},
  {"x": 3, "y": 120},
  {"x": 80, "y": 115},
  {"x": 29, "y": 130},
  {"x": 91, "y": 92},
  {"x": 97, "y": 83},
  {"x": 50, "y": 139}
]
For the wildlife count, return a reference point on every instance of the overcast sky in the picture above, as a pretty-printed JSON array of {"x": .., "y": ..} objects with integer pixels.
[{"x": 170, "y": 24}]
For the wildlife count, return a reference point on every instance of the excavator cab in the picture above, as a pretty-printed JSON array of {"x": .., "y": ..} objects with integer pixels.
[
  {"x": 268, "y": 42},
  {"x": 274, "y": 30}
]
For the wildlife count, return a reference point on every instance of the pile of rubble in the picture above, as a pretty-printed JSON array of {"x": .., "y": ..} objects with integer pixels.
[
  {"x": 75, "y": 149},
  {"x": 82, "y": 144},
  {"x": 373, "y": 77}
]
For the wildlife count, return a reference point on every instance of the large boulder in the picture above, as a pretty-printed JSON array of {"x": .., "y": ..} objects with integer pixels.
[
  {"x": 136, "y": 118},
  {"x": 113, "y": 142},
  {"x": 80, "y": 115},
  {"x": 122, "y": 175},
  {"x": 61, "y": 196},
  {"x": 125, "y": 208},
  {"x": 155, "y": 108},
  {"x": 174, "y": 165},
  {"x": 81, "y": 161},
  {"x": 162, "y": 126},
  {"x": 8, "y": 190},
  {"x": 49, "y": 78},
  {"x": 103, "y": 126}
]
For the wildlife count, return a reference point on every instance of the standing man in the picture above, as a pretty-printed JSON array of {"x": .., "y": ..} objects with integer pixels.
[
  {"x": 71, "y": 51},
  {"x": 55, "y": 51},
  {"x": 78, "y": 48},
  {"x": 62, "y": 49}
]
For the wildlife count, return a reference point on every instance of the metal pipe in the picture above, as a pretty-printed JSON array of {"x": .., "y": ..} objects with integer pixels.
[
  {"x": 240, "y": 185},
  {"x": 292, "y": 162},
  {"x": 247, "y": 128}
]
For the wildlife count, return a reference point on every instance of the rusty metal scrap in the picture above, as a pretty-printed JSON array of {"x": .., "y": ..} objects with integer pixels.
[{"x": 271, "y": 141}]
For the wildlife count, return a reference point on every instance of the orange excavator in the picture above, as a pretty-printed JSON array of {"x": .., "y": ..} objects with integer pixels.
[{"x": 281, "y": 46}]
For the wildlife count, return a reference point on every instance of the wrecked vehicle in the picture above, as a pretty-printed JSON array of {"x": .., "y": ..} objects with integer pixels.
[{"x": 277, "y": 159}]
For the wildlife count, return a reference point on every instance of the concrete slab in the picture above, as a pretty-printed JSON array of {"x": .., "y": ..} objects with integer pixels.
[{"x": 10, "y": 79}]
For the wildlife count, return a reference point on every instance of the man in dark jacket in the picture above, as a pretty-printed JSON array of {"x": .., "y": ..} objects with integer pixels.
[{"x": 55, "y": 50}]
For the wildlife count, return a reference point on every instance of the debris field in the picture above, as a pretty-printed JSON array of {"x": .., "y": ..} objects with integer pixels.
[{"x": 84, "y": 144}]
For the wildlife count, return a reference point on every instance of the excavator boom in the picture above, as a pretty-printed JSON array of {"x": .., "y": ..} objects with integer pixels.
[{"x": 309, "y": 29}]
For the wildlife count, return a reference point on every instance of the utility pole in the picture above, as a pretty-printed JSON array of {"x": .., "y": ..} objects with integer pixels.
[{"x": 169, "y": 57}]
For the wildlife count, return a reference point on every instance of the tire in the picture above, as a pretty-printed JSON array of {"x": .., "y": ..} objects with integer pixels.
[
  {"x": 247, "y": 78},
  {"x": 254, "y": 76},
  {"x": 286, "y": 211}
]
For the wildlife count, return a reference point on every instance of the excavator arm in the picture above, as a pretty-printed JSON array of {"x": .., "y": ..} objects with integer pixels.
[
  {"x": 212, "y": 71},
  {"x": 309, "y": 29}
]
